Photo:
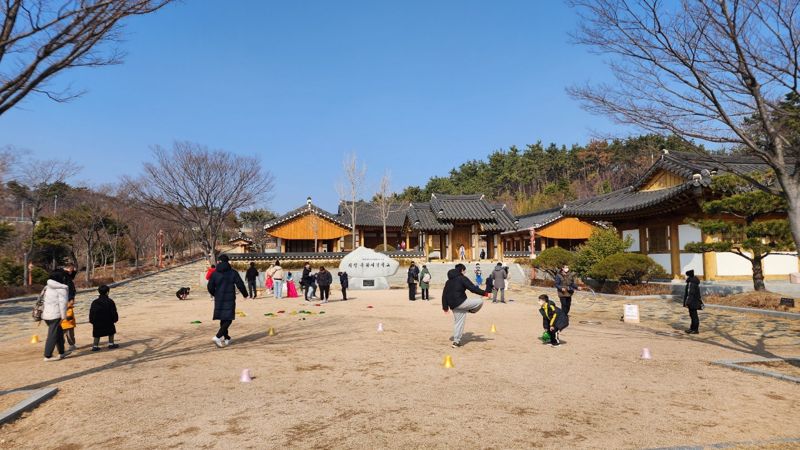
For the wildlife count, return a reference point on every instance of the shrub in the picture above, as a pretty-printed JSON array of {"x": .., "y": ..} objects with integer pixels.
[
  {"x": 39, "y": 275},
  {"x": 552, "y": 259},
  {"x": 627, "y": 268},
  {"x": 11, "y": 273},
  {"x": 600, "y": 245},
  {"x": 388, "y": 248}
]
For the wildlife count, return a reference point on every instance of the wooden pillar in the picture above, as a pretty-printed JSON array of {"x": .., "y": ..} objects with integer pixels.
[
  {"x": 408, "y": 241},
  {"x": 449, "y": 242},
  {"x": 709, "y": 261},
  {"x": 500, "y": 248},
  {"x": 533, "y": 242},
  {"x": 675, "y": 250},
  {"x": 643, "y": 240}
]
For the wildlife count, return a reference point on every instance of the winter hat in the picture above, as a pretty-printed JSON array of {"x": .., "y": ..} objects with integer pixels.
[{"x": 690, "y": 273}]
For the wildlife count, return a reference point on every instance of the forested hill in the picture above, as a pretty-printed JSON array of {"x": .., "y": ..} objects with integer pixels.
[{"x": 539, "y": 177}]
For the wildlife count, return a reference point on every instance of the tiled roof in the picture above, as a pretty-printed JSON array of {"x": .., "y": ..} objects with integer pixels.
[
  {"x": 443, "y": 210},
  {"x": 686, "y": 164},
  {"x": 369, "y": 215},
  {"x": 308, "y": 208},
  {"x": 630, "y": 202},
  {"x": 421, "y": 217},
  {"x": 539, "y": 219}
]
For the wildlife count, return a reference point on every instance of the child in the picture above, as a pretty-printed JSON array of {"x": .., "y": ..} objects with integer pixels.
[
  {"x": 68, "y": 325},
  {"x": 344, "y": 281},
  {"x": 291, "y": 289},
  {"x": 490, "y": 283},
  {"x": 478, "y": 275},
  {"x": 103, "y": 316},
  {"x": 553, "y": 319}
]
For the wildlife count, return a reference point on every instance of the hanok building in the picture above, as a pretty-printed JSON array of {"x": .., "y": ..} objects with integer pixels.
[
  {"x": 548, "y": 228},
  {"x": 308, "y": 229},
  {"x": 653, "y": 212},
  {"x": 241, "y": 243},
  {"x": 447, "y": 222},
  {"x": 369, "y": 226}
]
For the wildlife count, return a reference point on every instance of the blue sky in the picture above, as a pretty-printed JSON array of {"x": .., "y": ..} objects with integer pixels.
[{"x": 415, "y": 87}]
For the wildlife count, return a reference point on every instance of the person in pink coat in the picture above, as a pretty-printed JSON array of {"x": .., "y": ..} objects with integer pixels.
[{"x": 291, "y": 289}]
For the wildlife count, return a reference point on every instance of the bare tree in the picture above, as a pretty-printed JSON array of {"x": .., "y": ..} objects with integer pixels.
[
  {"x": 199, "y": 189},
  {"x": 721, "y": 71},
  {"x": 350, "y": 189},
  {"x": 41, "y": 38},
  {"x": 34, "y": 184},
  {"x": 386, "y": 202}
]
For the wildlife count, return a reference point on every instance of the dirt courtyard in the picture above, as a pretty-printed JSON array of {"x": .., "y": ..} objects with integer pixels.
[{"x": 333, "y": 381}]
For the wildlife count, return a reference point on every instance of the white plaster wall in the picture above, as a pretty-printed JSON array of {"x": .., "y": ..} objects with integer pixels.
[
  {"x": 688, "y": 233},
  {"x": 782, "y": 264},
  {"x": 692, "y": 261},
  {"x": 634, "y": 234},
  {"x": 664, "y": 259},
  {"x": 731, "y": 264}
]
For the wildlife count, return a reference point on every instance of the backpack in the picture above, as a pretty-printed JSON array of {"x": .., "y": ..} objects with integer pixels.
[
  {"x": 426, "y": 278},
  {"x": 38, "y": 308}
]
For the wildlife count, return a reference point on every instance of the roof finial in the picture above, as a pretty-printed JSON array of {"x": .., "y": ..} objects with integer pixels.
[{"x": 308, "y": 201}]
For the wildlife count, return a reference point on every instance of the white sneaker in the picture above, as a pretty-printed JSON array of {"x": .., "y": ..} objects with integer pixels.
[
  {"x": 218, "y": 342},
  {"x": 227, "y": 342},
  {"x": 52, "y": 358}
]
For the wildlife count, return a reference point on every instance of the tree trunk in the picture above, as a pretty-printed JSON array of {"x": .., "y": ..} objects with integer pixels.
[
  {"x": 758, "y": 275},
  {"x": 793, "y": 200},
  {"x": 88, "y": 264},
  {"x": 384, "y": 236}
]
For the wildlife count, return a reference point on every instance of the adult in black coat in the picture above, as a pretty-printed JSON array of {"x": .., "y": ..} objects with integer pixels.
[
  {"x": 692, "y": 300},
  {"x": 324, "y": 280},
  {"x": 103, "y": 315},
  {"x": 344, "y": 280},
  {"x": 412, "y": 280},
  {"x": 305, "y": 279},
  {"x": 251, "y": 276},
  {"x": 454, "y": 297},
  {"x": 222, "y": 285}
]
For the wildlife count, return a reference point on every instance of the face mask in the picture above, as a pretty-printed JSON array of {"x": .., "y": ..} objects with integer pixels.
[{"x": 566, "y": 269}]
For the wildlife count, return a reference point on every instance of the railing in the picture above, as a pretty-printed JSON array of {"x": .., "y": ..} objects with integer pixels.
[
  {"x": 295, "y": 256},
  {"x": 517, "y": 254}
]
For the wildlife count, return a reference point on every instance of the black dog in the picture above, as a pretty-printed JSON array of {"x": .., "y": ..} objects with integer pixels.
[{"x": 182, "y": 293}]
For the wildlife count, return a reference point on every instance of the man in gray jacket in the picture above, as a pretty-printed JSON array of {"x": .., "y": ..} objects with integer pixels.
[{"x": 499, "y": 277}]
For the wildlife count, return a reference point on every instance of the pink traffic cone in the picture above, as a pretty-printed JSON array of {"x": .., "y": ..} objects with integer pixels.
[
  {"x": 646, "y": 353},
  {"x": 245, "y": 378},
  {"x": 380, "y": 327}
]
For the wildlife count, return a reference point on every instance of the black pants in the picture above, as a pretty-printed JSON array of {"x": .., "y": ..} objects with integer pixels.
[
  {"x": 425, "y": 294},
  {"x": 695, "y": 326},
  {"x": 324, "y": 292},
  {"x": 251, "y": 288},
  {"x": 69, "y": 334},
  {"x": 553, "y": 338},
  {"x": 55, "y": 338},
  {"x": 566, "y": 302},
  {"x": 223, "y": 329},
  {"x": 344, "y": 293},
  {"x": 412, "y": 291}
]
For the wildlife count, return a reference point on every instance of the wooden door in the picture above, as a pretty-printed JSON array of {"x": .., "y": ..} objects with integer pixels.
[{"x": 462, "y": 235}]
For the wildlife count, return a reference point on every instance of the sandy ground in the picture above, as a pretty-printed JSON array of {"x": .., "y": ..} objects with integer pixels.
[{"x": 333, "y": 381}]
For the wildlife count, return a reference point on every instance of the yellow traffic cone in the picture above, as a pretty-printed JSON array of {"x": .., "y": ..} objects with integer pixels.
[
  {"x": 271, "y": 331},
  {"x": 494, "y": 329},
  {"x": 35, "y": 339},
  {"x": 448, "y": 362}
]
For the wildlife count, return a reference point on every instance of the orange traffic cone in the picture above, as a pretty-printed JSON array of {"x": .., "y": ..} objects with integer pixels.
[
  {"x": 271, "y": 331},
  {"x": 35, "y": 339},
  {"x": 493, "y": 329}
]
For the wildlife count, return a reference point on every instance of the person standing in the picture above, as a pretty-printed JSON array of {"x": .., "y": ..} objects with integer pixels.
[
  {"x": 276, "y": 273},
  {"x": 103, "y": 315},
  {"x": 462, "y": 252},
  {"x": 425, "y": 282},
  {"x": 291, "y": 290},
  {"x": 344, "y": 281},
  {"x": 478, "y": 275},
  {"x": 565, "y": 286},
  {"x": 210, "y": 271},
  {"x": 324, "y": 280},
  {"x": 693, "y": 301},
  {"x": 483, "y": 254},
  {"x": 412, "y": 279},
  {"x": 305, "y": 279},
  {"x": 68, "y": 325},
  {"x": 222, "y": 286},
  {"x": 54, "y": 310},
  {"x": 454, "y": 297},
  {"x": 499, "y": 276},
  {"x": 251, "y": 276}
]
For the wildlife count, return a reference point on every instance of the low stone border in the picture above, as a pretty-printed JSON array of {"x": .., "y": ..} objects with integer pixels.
[
  {"x": 36, "y": 398},
  {"x": 677, "y": 298},
  {"x": 731, "y": 444},
  {"x": 738, "y": 364},
  {"x": 112, "y": 285}
]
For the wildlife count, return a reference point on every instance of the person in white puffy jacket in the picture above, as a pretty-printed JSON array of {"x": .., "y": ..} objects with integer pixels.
[{"x": 55, "y": 310}]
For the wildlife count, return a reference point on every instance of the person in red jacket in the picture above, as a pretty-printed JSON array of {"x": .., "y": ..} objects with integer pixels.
[{"x": 210, "y": 271}]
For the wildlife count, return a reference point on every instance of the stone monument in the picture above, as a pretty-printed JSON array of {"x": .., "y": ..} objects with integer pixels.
[{"x": 368, "y": 269}]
